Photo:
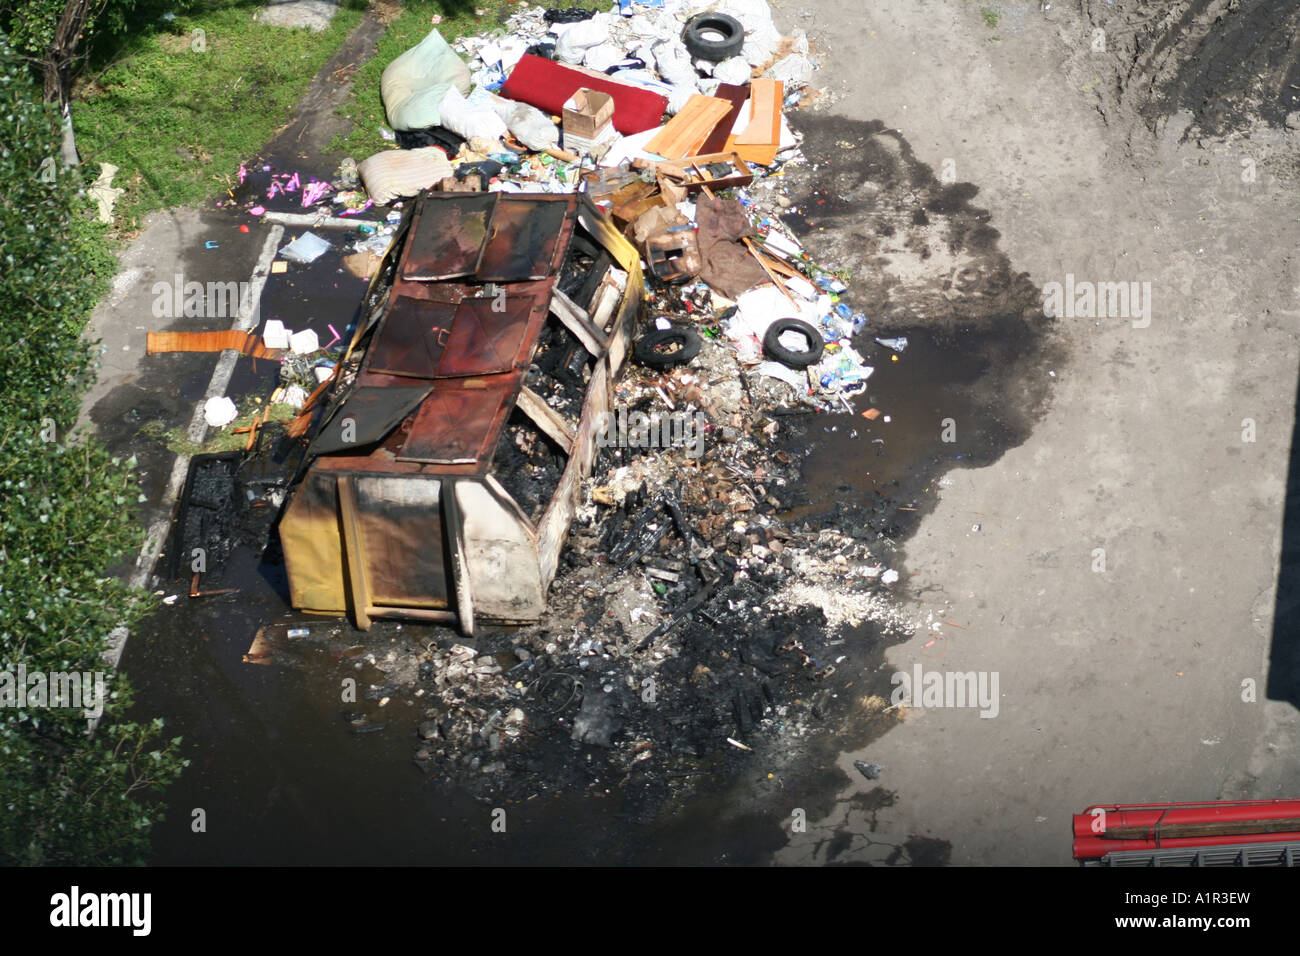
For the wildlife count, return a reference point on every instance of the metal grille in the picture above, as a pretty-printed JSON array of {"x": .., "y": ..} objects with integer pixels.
[{"x": 1241, "y": 854}]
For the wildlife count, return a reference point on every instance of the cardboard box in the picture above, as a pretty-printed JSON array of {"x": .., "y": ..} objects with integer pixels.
[{"x": 587, "y": 114}]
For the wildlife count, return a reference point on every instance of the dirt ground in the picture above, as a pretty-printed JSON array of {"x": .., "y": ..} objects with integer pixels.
[{"x": 1123, "y": 684}]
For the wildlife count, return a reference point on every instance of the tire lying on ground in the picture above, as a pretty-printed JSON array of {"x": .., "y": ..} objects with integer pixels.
[
  {"x": 794, "y": 359},
  {"x": 664, "y": 348},
  {"x": 714, "y": 37}
]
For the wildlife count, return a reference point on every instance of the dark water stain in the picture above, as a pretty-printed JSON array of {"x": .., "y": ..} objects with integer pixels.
[
  {"x": 973, "y": 381},
  {"x": 922, "y": 851},
  {"x": 975, "y": 376}
]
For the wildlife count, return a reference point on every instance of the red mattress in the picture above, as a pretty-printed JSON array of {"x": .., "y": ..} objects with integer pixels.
[{"x": 548, "y": 85}]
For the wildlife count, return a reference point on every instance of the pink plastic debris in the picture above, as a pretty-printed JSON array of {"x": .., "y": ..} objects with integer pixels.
[
  {"x": 293, "y": 184},
  {"x": 258, "y": 210},
  {"x": 353, "y": 212},
  {"x": 313, "y": 192},
  {"x": 243, "y": 172}
]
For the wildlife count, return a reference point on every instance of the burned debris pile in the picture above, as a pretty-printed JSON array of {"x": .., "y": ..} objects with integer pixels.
[{"x": 560, "y": 423}]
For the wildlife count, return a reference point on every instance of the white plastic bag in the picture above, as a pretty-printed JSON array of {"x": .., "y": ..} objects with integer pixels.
[
  {"x": 581, "y": 36},
  {"x": 470, "y": 119},
  {"x": 794, "y": 71},
  {"x": 528, "y": 124},
  {"x": 602, "y": 56},
  {"x": 734, "y": 70},
  {"x": 675, "y": 65}
]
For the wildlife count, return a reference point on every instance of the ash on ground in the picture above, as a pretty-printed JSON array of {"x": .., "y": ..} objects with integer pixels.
[{"x": 691, "y": 626}]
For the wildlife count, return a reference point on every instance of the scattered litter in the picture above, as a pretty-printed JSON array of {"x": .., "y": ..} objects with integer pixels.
[
  {"x": 219, "y": 411},
  {"x": 104, "y": 193},
  {"x": 304, "y": 342},
  {"x": 869, "y": 770},
  {"x": 306, "y": 249},
  {"x": 274, "y": 335},
  {"x": 313, "y": 192}
]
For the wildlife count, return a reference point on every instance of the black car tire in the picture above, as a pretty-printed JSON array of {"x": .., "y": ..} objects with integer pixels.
[
  {"x": 649, "y": 348},
  {"x": 775, "y": 350},
  {"x": 702, "y": 47}
]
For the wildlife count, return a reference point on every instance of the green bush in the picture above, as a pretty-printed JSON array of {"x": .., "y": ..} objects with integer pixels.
[{"x": 66, "y": 797}]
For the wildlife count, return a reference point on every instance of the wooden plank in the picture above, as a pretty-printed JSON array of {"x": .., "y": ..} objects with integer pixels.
[
  {"x": 546, "y": 418},
  {"x": 777, "y": 265},
  {"x": 686, "y": 132},
  {"x": 764, "y": 127},
  {"x": 692, "y": 182},
  {"x": 577, "y": 321},
  {"x": 406, "y": 613},
  {"x": 737, "y": 97},
  {"x": 760, "y": 155},
  {"x": 354, "y": 552},
  {"x": 554, "y": 525},
  {"x": 632, "y": 200},
  {"x": 222, "y": 340}
]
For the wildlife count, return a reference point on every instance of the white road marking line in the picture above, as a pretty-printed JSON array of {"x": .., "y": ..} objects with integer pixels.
[{"x": 153, "y": 542}]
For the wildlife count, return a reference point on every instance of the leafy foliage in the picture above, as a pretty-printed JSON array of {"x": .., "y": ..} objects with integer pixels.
[{"x": 67, "y": 515}]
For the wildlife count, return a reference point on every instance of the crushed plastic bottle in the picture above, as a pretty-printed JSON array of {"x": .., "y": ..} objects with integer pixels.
[{"x": 829, "y": 283}]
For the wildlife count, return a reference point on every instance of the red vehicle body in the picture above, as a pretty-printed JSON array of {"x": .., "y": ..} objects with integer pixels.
[{"x": 1150, "y": 827}]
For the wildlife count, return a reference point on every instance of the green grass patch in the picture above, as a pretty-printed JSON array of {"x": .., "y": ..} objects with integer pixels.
[
  {"x": 221, "y": 439},
  {"x": 365, "y": 107},
  {"x": 177, "y": 110},
  {"x": 990, "y": 17}
]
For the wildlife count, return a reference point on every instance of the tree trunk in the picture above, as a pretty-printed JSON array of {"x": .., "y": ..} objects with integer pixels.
[{"x": 59, "y": 58}]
